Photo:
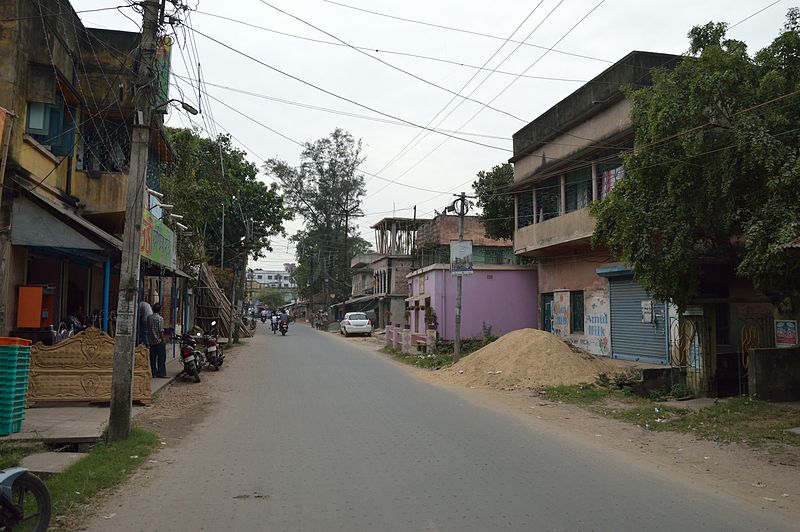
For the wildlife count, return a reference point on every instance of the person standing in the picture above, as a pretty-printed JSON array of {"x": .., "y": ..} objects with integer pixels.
[
  {"x": 155, "y": 338},
  {"x": 145, "y": 311}
]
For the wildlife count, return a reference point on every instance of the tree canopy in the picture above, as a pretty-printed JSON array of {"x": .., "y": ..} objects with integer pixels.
[
  {"x": 496, "y": 203},
  {"x": 326, "y": 191},
  {"x": 199, "y": 190},
  {"x": 715, "y": 174}
]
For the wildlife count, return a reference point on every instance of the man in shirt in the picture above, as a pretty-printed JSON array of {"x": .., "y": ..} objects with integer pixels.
[
  {"x": 145, "y": 310},
  {"x": 155, "y": 338}
]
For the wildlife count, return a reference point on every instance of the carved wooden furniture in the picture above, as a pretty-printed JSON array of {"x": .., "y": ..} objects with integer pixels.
[{"x": 79, "y": 369}]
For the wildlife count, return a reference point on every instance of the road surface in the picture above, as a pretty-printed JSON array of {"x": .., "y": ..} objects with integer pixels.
[{"x": 314, "y": 433}]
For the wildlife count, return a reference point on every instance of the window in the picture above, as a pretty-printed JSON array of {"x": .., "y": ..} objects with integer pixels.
[
  {"x": 578, "y": 189},
  {"x": 524, "y": 208},
  {"x": 576, "y": 312},
  {"x": 38, "y": 121},
  {"x": 259, "y": 276},
  {"x": 548, "y": 199}
]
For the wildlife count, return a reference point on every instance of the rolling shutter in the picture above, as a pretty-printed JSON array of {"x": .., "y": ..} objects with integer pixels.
[{"x": 630, "y": 338}]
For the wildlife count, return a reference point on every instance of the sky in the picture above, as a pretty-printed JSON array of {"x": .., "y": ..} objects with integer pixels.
[{"x": 572, "y": 40}]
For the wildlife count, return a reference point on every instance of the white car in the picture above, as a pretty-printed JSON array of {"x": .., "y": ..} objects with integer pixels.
[{"x": 355, "y": 323}]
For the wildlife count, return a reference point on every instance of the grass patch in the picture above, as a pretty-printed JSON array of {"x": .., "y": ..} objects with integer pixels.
[
  {"x": 11, "y": 455},
  {"x": 581, "y": 394},
  {"x": 736, "y": 419},
  {"x": 429, "y": 361},
  {"x": 105, "y": 466}
]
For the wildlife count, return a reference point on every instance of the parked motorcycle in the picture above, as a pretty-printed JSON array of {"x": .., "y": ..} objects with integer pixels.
[
  {"x": 24, "y": 501},
  {"x": 214, "y": 355},
  {"x": 191, "y": 358}
]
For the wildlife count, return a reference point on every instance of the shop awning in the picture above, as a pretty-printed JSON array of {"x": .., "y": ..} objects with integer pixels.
[{"x": 38, "y": 222}]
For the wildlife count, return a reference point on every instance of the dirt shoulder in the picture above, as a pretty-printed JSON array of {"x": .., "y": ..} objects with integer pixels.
[{"x": 768, "y": 479}]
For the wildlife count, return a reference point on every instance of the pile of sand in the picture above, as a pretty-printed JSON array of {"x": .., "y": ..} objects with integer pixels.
[{"x": 527, "y": 358}]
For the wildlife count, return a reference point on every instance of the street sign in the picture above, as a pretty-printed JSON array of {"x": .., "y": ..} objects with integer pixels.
[{"x": 461, "y": 257}]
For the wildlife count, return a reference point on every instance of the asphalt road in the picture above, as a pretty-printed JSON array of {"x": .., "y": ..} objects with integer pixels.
[{"x": 313, "y": 433}]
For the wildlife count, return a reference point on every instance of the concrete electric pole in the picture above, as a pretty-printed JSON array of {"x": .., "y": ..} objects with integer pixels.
[
  {"x": 461, "y": 207},
  {"x": 119, "y": 419}
]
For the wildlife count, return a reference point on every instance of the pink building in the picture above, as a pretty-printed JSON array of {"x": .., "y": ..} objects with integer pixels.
[{"x": 500, "y": 296}]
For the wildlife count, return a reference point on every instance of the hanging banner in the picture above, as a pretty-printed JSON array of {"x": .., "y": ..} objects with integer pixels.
[
  {"x": 157, "y": 241},
  {"x": 163, "y": 58},
  {"x": 3, "y": 114},
  {"x": 461, "y": 257}
]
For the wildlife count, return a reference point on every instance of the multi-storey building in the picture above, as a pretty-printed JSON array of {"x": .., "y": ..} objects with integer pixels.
[{"x": 68, "y": 92}]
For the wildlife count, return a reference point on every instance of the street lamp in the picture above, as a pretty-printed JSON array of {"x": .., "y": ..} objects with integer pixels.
[{"x": 185, "y": 106}]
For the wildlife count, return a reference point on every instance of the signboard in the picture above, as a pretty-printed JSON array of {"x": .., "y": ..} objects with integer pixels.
[
  {"x": 163, "y": 55},
  {"x": 461, "y": 257},
  {"x": 785, "y": 333},
  {"x": 647, "y": 311},
  {"x": 158, "y": 241}
]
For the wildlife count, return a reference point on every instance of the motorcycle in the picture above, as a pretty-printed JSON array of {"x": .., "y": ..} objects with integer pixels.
[
  {"x": 214, "y": 355},
  {"x": 263, "y": 318},
  {"x": 16, "y": 507},
  {"x": 284, "y": 327},
  {"x": 275, "y": 327},
  {"x": 191, "y": 358}
]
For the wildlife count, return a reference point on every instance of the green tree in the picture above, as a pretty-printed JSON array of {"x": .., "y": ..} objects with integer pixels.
[
  {"x": 326, "y": 191},
  {"x": 272, "y": 298},
  {"x": 715, "y": 177},
  {"x": 495, "y": 201},
  {"x": 200, "y": 191}
]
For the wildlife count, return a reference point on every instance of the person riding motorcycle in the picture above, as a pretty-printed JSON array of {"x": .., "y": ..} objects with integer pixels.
[{"x": 274, "y": 319}]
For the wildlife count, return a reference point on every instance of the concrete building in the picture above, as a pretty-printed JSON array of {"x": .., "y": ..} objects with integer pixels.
[
  {"x": 496, "y": 297},
  {"x": 274, "y": 278},
  {"x": 565, "y": 159},
  {"x": 69, "y": 92}
]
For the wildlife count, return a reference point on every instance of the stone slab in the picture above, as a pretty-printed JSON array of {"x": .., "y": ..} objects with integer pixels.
[{"x": 50, "y": 462}]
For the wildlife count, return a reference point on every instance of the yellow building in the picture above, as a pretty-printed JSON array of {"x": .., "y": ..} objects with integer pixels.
[{"x": 68, "y": 91}]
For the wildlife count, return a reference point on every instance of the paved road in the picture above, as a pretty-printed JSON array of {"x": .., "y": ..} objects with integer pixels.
[{"x": 318, "y": 435}]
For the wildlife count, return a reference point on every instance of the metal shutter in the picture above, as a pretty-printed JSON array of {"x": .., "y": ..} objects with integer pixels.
[{"x": 630, "y": 338}]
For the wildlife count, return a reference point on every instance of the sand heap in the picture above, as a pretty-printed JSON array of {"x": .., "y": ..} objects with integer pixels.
[{"x": 527, "y": 358}]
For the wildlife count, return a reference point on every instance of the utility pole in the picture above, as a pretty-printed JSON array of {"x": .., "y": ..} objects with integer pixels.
[
  {"x": 460, "y": 206},
  {"x": 5, "y": 247},
  {"x": 222, "y": 241},
  {"x": 119, "y": 419}
]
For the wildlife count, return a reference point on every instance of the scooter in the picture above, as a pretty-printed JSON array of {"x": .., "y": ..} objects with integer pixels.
[
  {"x": 214, "y": 355},
  {"x": 191, "y": 358},
  {"x": 284, "y": 327},
  {"x": 18, "y": 487}
]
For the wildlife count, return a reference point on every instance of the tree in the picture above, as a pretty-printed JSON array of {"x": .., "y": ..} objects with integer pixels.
[
  {"x": 195, "y": 184},
  {"x": 715, "y": 176},
  {"x": 495, "y": 201},
  {"x": 326, "y": 190},
  {"x": 272, "y": 298}
]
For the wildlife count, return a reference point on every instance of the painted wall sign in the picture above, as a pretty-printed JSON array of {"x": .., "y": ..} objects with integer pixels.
[
  {"x": 461, "y": 257},
  {"x": 158, "y": 241},
  {"x": 785, "y": 333},
  {"x": 647, "y": 311}
]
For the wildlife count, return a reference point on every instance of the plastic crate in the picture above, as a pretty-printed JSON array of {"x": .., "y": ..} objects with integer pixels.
[
  {"x": 10, "y": 427},
  {"x": 13, "y": 341}
]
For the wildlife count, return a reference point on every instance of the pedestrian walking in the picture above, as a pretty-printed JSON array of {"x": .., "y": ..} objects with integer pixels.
[
  {"x": 155, "y": 338},
  {"x": 145, "y": 311}
]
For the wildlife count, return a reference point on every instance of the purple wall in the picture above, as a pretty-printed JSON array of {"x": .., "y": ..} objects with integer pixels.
[{"x": 505, "y": 299}]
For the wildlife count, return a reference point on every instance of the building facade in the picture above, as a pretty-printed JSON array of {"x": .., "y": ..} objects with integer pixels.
[
  {"x": 564, "y": 160},
  {"x": 67, "y": 92}
]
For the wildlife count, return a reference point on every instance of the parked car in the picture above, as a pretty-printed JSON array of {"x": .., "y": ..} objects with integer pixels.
[{"x": 355, "y": 323}]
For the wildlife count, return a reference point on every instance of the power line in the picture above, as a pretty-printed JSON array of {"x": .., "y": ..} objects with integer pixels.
[
  {"x": 395, "y": 52},
  {"x": 461, "y": 30},
  {"x": 335, "y": 95},
  {"x": 394, "y": 67},
  {"x": 570, "y": 30},
  {"x": 420, "y": 134}
]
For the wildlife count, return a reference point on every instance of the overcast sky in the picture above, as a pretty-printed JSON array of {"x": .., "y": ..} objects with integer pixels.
[{"x": 608, "y": 33}]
